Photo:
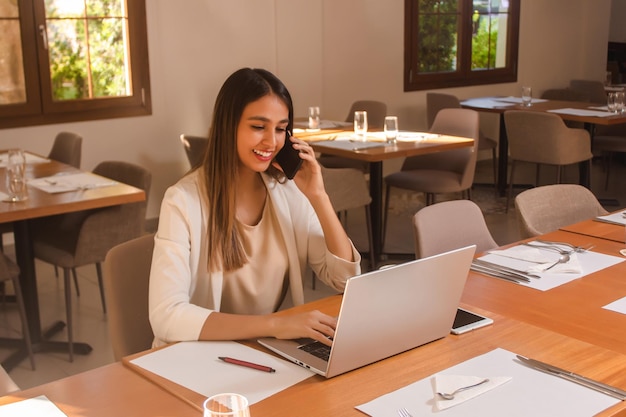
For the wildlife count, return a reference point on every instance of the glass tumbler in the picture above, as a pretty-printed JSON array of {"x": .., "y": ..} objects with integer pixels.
[
  {"x": 226, "y": 405},
  {"x": 360, "y": 125},
  {"x": 391, "y": 128},
  {"x": 16, "y": 175}
]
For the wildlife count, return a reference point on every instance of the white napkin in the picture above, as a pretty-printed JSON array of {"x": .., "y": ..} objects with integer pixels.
[
  {"x": 449, "y": 383},
  {"x": 570, "y": 267},
  {"x": 523, "y": 253}
]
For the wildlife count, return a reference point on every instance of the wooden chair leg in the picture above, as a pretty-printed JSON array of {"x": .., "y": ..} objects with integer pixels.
[
  {"x": 101, "y": 285},
  {"x": 385, "y": 214},
  {"x": 510, "y": 193},
  {"x": 370, "y": 237}
]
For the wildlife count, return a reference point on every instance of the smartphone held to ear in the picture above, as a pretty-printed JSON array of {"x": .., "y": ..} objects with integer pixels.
[{"x": 289, "y": 158}]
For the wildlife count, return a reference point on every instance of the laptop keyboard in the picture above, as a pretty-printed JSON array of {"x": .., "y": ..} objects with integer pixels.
[{"x": 315, "y": 348}]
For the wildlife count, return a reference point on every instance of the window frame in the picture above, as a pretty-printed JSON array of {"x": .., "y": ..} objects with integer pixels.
[
  {"x": 41, "y": 109},
  {"x": 463, "y": 76}
]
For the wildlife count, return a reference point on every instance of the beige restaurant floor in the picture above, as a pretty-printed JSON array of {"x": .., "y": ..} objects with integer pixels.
[{"x": 91, "y": 323}]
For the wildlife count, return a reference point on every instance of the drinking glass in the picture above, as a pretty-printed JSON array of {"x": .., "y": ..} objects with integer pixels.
[
  {"x": 16, "y": 175},
  {"x": 226, "y": 405},
  {"x": 360, "y": 124},
  {"x": 611, "y": 102},
  {"x": 619, "y": 102},
  {"x": 391, "y": 128},
  {"x": 314, "y": 118},
  {"x": 527, "y": 96}
]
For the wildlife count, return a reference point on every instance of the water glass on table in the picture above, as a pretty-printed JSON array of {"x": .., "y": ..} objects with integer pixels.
[
  {"x": 527, "y": 96},
  {"x": 226, "y": 405},
  {"x": 360, "y": 125},
  {"x": 391, "y": 129},
  {"x": 314, "y": 118},
  {"x": 16, "y": 175}
]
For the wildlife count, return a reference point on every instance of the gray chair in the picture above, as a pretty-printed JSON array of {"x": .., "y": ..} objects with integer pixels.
[
  {"x": 450, "y": 225},
  {"x": 347, "y": 189},
  {"x": 444, "y": 172},
  {"x": 195, "y": 147},
  {"x": 594, "y": 90},
  {"x": 126, "y": 272},
  {"x": 10, "y": 272},
  {"x": 7, "y": 385},
  {"x": 438, "y": 101},
  {"x": 543, "y": 139},
  {"x": 82, "y": 238},
  {"x": 67, "y": 148},
  {"x": 376, "y": 113},
  {"x": 543, "y": 209}
]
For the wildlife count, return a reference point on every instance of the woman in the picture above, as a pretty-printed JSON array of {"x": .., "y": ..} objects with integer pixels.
[{"x": 235, "y": 236}]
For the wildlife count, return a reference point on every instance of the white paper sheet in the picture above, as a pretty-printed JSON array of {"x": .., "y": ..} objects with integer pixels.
[
  {"x": 195, "y": 365},
  {"x": 617, "y": 306},
  {"x": 519, "y": 100},
  {"x": 39, "y": 406},
  {"x": 529, "y": 393},
  {"x": 70, "y": 182},
  {"x": 487, "y": 103},
  {"x": 582, "y": 112},
  {"x": 589, "y": 261},
  {"x": 615, "y": 218}
]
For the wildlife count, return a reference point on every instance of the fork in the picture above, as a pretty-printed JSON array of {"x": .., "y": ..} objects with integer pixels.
[
  {"x": 556, "y": 244},
  {"x": 403, "y": 412}
]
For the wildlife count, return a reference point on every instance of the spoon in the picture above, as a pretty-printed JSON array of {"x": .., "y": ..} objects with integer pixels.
[
  {"x": 564, "y": 258},
  {"x": 450, "y": 396}
]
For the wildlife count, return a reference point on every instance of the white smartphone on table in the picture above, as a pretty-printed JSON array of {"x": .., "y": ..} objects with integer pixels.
[{"x": 464, "y": 321}]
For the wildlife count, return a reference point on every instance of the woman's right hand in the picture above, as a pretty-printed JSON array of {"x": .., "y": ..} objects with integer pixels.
[{"x": 312, "y": 324}]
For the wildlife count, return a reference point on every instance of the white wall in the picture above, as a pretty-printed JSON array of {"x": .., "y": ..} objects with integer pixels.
[
  {"x": 617, "y": 31},
  {"x": 328, "y": 52}
]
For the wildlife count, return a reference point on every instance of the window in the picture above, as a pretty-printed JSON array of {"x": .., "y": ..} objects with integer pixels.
[
  {"x": 452, "y": 43},
  {"x": 72, "y": 60}
]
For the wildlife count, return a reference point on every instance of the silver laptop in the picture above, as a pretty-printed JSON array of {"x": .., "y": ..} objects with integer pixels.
[{"x": 386, "y": 312}]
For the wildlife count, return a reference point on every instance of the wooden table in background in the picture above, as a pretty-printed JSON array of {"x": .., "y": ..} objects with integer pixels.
[
  {"x": 486, "y": 104},
  {"x": 375, "y": 157},
  {"x": 602, "y": 230},
  {"x": 42, "y": 204}
]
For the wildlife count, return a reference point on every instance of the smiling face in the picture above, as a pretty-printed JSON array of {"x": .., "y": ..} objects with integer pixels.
[{"x": 261, "y": 132}]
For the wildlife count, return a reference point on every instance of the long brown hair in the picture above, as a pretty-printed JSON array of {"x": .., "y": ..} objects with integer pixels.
[{"x": 221, "y": 161}]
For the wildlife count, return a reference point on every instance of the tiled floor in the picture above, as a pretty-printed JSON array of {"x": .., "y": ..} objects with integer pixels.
[{"x": 91, "y": 324}]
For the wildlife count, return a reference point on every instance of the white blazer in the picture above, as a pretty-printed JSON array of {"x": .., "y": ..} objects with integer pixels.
[{"x": 183, "y": 292}]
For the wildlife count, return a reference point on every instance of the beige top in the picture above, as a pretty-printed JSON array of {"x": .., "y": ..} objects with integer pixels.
[{"x": 259, "y": 286}]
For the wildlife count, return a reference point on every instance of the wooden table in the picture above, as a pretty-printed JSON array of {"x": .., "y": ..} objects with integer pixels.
[
  {"x": 375, "y": 157},
  {"x": 41, "y": 204},
  {"x": 573, "y": 309},
  {"x": 486, "y": 104},
  {"x": 117, "y": 390},
  {"x": 602, "y": 230}
]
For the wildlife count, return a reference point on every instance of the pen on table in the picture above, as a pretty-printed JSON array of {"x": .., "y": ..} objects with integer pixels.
[{"x": 247, "y": 364}]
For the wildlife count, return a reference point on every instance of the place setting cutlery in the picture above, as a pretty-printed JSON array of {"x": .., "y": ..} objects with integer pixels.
[
  {"x": 501, "y": 271},
  {"x": 571, "y": 376}
]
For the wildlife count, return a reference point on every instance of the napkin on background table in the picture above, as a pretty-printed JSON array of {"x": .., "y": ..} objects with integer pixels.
[
  {"x": 449, "y": 383},
  {"x": 541, "y": 260}
]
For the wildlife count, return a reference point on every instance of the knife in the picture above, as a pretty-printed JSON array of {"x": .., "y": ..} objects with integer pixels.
[
  {"x": 570, "y": 376},
  {"x": 494, "y": 273},
  {"x": 524, "y": 276}
]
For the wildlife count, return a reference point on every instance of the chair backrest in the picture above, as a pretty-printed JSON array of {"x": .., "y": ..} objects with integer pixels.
[
  {"x": 126, "y": 274},
  {"x": 104, "y": 228},
  {"x": 376, "y": 112},
  {"x": 545, "y": 139},
  {"x": 565, "y": 94},
  {"x": 67, "y": 148},
  {"x": 449, "y": 225},
  {"x": 7, "y": 384},
  {"x": 455, "y": 122},
  {"x": 346, "y": 188},
  {"x": 195, "y": 147},
  {"x": 438, "y": 101},
  {"x": 593, "y": 89},
  {"x": 543, "y": 209}
]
